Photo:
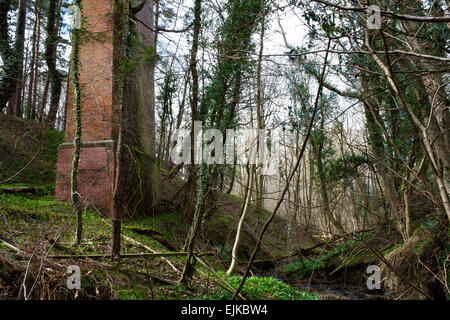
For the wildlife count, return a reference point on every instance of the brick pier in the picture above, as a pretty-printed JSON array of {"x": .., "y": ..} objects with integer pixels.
[{"x": 99, "y": 118}]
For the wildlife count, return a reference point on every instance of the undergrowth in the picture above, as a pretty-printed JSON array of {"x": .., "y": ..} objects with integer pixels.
[
  {"x": 260, "y": 288},
  {"x": 299, "y": 268}
]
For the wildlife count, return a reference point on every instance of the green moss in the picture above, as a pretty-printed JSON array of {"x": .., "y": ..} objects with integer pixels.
[
  {"x": 51, "y": 139},
  {"x": 261, "y": 288},
  {"x": 390, "y": 249},
  {"x": 33, "y": 153},
  {"x": 334, "y": 256},
  {"x": 131, "y": 294},
  {"x": 165, "y": 224},
  {"x": 422, "y": 244},
  {"x": 232, "y": 196},
  {"x": 38, "y": 204}
]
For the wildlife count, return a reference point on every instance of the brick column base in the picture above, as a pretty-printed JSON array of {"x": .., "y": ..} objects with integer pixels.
[{"x": 95, "y": 173}]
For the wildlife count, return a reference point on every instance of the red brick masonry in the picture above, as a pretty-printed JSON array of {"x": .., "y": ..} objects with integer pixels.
[
  {"x": 96, "y": 173},
  {"x": 96, "y": 168}
]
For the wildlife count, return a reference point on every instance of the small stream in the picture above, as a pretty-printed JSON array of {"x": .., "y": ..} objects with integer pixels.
[
  {"x": 335, "y": 291},
  {"x": 349, "y": 287}
]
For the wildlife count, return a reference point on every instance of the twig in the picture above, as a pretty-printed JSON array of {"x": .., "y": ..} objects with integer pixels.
[
  {"x": 12, "y": 247},
  {"x": 137, "y": 243},
  {"x": 297, "y": 164},
  {"x": 26, "y": 166},
  {"x": 129, "y": 255},
  {"x": 218, "y": 281}
]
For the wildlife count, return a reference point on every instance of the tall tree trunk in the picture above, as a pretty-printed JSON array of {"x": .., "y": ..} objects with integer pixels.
[
  {"x": 43, "y": 104},
  {"x": 28, "y": 109},
  {"x": 427, "y": 135},
  {"x": 120, "y": 32},
  {"x": 202, "y": 176},
  {"x": 19, "y": 47},
  {"x": 173, "y": 170},
  {"x": 260, "y": 109},
  {"x": 34, "y": 112},
  {"x": 190, "y": 190},
  {"x": 141, "y": 109},
  {"x": 248, "y": 194},
  {"x": 12, "y": 56},
  {"x": 76, "y": 199},
  {"x": 435, "y": 91},
  {"x": 317, "y": 144},
  {"x": 51, "y": 60},
  {"x": 6, "y": 83}
]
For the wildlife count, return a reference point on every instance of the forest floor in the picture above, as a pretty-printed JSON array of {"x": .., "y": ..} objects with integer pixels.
[
  {"x": 36, "y": 237},
  {"x": 37, "y": 233}
]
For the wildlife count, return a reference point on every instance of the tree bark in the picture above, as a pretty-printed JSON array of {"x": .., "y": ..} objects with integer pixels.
[
  {"x": 51, "y": 46},
  {"x": 28, "y": 109},
  {"x": 19, "y": 47},
  {"x": 143, "y": 171},
  {"x": 12, "y": 56},
  {"x": 43, "y": 104},
  {"x": 427, "y": 139},
  {"x": 34, "y": 113},
  {"x": 76, "y": 199},
  {"x": 248, "y": 196},
  {"x": 120, "y": 32},
  {"x": 190, "y": 190}
]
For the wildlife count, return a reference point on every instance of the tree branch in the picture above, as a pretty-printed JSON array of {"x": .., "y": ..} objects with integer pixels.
[{"x": 404, "y": 17}]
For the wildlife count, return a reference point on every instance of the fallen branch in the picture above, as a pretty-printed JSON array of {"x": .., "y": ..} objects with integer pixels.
[
  {"x": 218, "y": 280},
  {"x": 32, "y": 190},
  {"x": 153, "y": 234},
  {"x": 139, "y": 244},
  {"x": 163, "y": 241},
  {"x": 301, "y": 251},
  {"x": 130, "y": 255},
  {"x": 349, "y": 260},
  {"x": 10, "y": 246},
  {"x": 144, "y": 231},
  {"x": 163, "y": 281}
]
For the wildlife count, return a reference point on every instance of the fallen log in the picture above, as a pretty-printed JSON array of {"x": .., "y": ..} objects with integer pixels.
[
  {"x": 130, "y": 255},
  {"x": 10, "y": 246},
  {"x": 141, "y": 245},
  {"x": 298, "y": 252},
  {"x": 153, "y": 234},
  {"x": 32, "y": 190},
  {"x": 163, "y": 281},
  {"x": 309, "y": 250},
  {"x": 144, "y": 231},
  {"x": 165, "y": 243}
]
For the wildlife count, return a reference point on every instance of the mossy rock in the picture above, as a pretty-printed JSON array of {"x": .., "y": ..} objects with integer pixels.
[{"x": 412, "y": 263}]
